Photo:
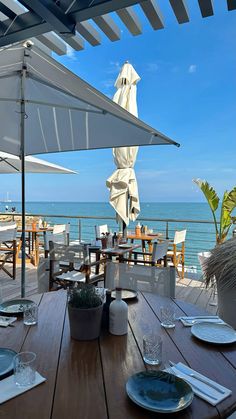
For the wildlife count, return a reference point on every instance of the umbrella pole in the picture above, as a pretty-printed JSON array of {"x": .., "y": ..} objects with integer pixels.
[{"x": 22, "y": 157}]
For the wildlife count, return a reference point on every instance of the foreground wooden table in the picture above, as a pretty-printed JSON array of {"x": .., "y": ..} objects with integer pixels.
[{"x": 87, "y": 379}]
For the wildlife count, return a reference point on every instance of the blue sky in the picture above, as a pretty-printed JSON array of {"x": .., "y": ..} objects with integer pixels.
[{"x": 187, "y": 91}]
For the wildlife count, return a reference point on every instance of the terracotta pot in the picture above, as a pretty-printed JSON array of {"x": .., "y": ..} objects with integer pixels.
[
  {"x": 104, "y": 242},
  {"x": 85, "y": 323}
]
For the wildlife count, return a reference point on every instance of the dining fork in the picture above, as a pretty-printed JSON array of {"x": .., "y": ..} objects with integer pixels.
[{"x": 194, "y": 386}]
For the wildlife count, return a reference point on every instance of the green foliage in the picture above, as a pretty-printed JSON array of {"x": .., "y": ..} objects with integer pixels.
[
  {"x": 227, "y": 206},
  {"x": 84, "y": 296}
]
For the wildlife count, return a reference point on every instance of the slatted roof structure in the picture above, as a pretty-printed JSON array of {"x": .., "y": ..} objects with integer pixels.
[{"x": 55, "y": 24}]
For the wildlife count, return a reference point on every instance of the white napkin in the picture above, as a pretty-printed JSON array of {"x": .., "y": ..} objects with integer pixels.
[
  {"x": 210, "y": 391},
  {"x": 9, "y": 390},
  {"x": 190, "y": 320},
  {"x": 5, "y": 321}
]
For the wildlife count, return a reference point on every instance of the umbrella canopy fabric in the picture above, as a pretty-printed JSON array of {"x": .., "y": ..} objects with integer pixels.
[
  {"x": 62, "y": 112},
  {"x": 12, "y": 164},
  {"x": 122, "y": 183}
]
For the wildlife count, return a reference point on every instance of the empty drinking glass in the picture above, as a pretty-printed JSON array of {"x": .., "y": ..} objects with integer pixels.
[
  {"x": 31, "y": 314},
  {"x": 167, "y": 317},
  {"x": 24, "y": 369},
  {"x": 152, "y": 349}
]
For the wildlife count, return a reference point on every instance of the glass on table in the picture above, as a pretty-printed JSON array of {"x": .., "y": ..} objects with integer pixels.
[
  {"x": 167, "y": 317},
  {"x": 152, "y": 349},
  {"x": 24, "y": 369},
  {"x": 30, "y": 315}
]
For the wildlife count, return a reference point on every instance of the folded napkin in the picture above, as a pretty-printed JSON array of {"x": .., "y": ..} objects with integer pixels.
[
  {"x": 210, "y": 391},
  {"x": 5, "y": 321},
  {"x": 190, "y": 320},
  {"x": 9, "y": 390}
]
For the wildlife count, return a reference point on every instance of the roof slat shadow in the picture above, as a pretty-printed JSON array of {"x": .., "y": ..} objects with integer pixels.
[
  {"x": 206, "y": 7},
  {"x": 89, "y": 33},
  {"x": 130, "y": 20},
  {"x": 231, "y": 4},
  {"x": 180, "y": 10},
  {"x": 108, "y": 26},
  {"x": 153, "y": 14}
]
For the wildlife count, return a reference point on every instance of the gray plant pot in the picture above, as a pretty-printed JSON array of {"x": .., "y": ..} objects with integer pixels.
[
  {"x": 227, "y": 304},
  {"x": 85, "y": 323}
]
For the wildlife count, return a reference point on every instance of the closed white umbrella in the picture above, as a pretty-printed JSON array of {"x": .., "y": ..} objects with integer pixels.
[
  {"x": 122, "y": 183},
  {"x": 12, "y": 164}
]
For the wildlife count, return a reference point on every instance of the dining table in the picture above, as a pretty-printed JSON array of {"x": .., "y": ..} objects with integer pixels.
[
  {"x": 32, "y": 256},
  {"x": 145, "y": 238},
  {"x": 87, "y": 379}
]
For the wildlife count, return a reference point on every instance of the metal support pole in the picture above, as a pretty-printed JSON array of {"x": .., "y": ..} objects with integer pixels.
[{"x": 22, "y": 157}]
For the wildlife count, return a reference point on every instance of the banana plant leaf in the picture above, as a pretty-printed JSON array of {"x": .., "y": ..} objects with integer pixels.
[
  {"x": 229, "y": 200},
  {"x": 209, "y": 192}
]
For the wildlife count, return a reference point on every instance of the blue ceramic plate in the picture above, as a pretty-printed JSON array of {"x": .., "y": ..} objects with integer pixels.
[
  {"x": 11, "y": 307},
  {"x": 159, "y": 391},
  {"x": 6, "y": 362}
]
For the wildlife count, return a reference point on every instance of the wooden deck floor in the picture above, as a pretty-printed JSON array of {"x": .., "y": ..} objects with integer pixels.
[{"x": 188, "y": 290}]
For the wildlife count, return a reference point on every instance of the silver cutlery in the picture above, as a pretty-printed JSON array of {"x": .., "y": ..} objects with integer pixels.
[
  {"x": 197, "y": 377},
  {"x": 194, "y": 386},
  {"x": 197, "y": 317}
]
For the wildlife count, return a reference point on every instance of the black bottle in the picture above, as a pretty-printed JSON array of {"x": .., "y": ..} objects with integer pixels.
[
  {"x": 105, "y": 314},
  {"x": 114, "y": 239}
]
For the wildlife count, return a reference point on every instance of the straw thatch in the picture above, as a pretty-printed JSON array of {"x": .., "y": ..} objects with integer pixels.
[{"x": 220, "y": 267}]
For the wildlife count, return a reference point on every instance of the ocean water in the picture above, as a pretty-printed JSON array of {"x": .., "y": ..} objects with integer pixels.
[{"x": 200, "y": 237}]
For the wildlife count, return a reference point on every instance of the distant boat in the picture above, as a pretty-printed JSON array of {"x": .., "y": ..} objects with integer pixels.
[{"x": 7, "y": 198}]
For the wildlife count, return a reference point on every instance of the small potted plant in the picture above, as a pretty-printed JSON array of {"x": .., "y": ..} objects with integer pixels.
[
  {"x": 220, "y": 271},
  {"x": 85, "y": 307}
]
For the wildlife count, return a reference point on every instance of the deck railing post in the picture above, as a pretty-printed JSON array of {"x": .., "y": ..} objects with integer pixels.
[
  {"x": 79, "y": 227},
  {"x": 167, "y": 230}
]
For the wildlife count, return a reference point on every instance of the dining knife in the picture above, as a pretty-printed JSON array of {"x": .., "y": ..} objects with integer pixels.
[
  {"x": 185, "y": 371},
  {"x": 197, "y": 317},
  {"x": 180, "y": 374}
]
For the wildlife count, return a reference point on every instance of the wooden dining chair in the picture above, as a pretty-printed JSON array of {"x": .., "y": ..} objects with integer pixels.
[
  {"x": 71, "y": 264},
  {"x": 8, "y": 248},
  {"x": 152, "y": 279},
  {"x": 158, "y": 256},
  {"x": 176, "y": 254}
]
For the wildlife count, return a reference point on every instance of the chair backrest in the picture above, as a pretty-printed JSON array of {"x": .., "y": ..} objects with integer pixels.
[
  {"x": 5, "y": 225},
  {"x": 159, "y": 250},
  {"x": 141, "y": 278},
  {"x": 99, "y": 230},
  {"x": 180, "y": 236},
  {"x": 8, "y": 234},
  {"x": 60, "y": 234},
  {"x": 60, "y": 252}
]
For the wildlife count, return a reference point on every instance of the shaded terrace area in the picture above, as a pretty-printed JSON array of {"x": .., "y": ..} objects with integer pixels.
[{"x": 187, "y": 289}]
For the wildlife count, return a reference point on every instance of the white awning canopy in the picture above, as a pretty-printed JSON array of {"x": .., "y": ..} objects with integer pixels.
[
  {"x": 12, "y": 164},
  {"x": 62, "y": 112}
]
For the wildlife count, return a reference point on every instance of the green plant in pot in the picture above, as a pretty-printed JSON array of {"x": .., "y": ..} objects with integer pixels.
[
  {"x": 85, "y": 306},
  {"x": 227, "y": 206},
  {"x": 220, "y": 271}
]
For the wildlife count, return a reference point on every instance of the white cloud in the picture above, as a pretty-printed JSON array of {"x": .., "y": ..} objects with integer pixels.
[
  {"x": 192, "y": 68},
  {"x": 152, "y": 67},
  {"x": 108, "y": 83},
  {"x": 70, "y": 53},
  {"x": 114, "y": 67},
  {"x": 151, "y": 174}
]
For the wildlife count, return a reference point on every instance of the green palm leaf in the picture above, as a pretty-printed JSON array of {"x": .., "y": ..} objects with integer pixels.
[
  {"x": 209, "y": 192},
  {"x": 229, "y": 200}
]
